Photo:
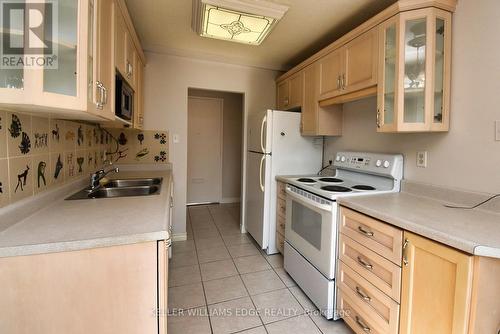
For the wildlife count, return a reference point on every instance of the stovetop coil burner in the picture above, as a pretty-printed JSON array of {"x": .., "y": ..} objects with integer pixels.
[
  {"x": 363, "y": 187},
  {"x": 338, "y": 189},
  {"x": 306, "y": 180},
  {"x": 331, "y": 180}
]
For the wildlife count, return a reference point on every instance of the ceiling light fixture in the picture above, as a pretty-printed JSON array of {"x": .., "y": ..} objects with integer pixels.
[{"x": 242, "y": 21}]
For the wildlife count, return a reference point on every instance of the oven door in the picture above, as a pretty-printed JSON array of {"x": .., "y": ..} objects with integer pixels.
[{"x": 311, "y": 229}]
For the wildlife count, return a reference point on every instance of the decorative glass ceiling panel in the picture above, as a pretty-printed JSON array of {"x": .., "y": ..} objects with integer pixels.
[{"x": 221, "y": 23}]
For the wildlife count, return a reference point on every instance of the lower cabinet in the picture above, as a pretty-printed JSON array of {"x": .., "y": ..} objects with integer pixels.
[
  {"x": 436, "y": 288},
  {"x": 119, "y": 289}
]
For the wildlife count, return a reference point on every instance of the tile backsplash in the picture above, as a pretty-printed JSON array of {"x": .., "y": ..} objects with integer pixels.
[{"x": 37, "y": 153}]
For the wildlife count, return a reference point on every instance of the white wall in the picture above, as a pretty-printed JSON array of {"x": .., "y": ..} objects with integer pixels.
[
  {"x": 232, "y": 137},
  {"x": 468, "y": 157},
  {"x": 167, "y": 79}
]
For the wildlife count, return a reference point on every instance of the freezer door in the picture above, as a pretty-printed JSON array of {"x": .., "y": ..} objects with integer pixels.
[
  {"x": 257, "y": 198},
  {"x": 257, "y": 131}
]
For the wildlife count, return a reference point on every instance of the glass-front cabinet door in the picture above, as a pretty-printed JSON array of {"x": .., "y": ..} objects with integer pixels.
[{"x": 414, "y": 92}]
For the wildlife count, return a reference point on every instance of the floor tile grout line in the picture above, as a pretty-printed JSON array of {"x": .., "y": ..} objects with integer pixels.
[
  {"x": 248, "y": 293},
  {"x": 203, "y": 286}
]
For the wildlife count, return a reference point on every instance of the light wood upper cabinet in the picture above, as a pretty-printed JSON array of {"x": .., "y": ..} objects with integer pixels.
[
  {"x": 69, "y": 88},
  {"x": 283, "y": 95},
  {"x": 315, "y": 120},
  {"x": 361, "y": 62},
  {"x": 290, "y": 93},
  {"x": 120, "y": 42},
  {"x": 414, "y": 72},
  {"x": 331, "y": 74},
  {"x": 436, "y": 288}
]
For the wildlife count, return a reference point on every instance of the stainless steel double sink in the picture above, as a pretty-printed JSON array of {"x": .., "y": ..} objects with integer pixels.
[{"x": 121, "y": 188}]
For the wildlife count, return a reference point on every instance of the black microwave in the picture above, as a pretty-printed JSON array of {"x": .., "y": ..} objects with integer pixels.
[{"x": 124, "y": 104}]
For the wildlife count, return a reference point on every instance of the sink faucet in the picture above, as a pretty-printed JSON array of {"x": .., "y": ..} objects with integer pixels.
[{"x": 99, "y": 175}]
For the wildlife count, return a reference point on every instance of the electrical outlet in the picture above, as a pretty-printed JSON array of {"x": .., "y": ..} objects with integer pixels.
[
  {"x": 331, "y": 159},
  {"x": 422, "y": 159},
  {"x": 497, "y": 130}
]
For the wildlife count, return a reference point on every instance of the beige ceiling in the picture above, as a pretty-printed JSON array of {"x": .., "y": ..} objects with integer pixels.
[{"x": 164, "y": 26}]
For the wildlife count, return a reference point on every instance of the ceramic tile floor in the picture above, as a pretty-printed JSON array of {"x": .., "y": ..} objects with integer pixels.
[{"x": 219, "y": 278}]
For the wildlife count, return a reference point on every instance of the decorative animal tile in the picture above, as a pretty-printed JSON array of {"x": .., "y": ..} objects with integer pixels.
[
  {"x": 70, "y": 133},
  {"x": 21, "y": 178},
  {"x": 56, "y": 135},
  {"x": 70, "y": 168},
  {"x": 19, "y": 143},
  {"x": 56, "y": 168},
  {"x": 3, "y": 134},
  {"x": 80, "y": 136},
  {"x": 41, "y": 172},
  {"x": 80, "y": 167},
  {"x": 4, "y": 182},
  {"x": 40, "y": 130}
]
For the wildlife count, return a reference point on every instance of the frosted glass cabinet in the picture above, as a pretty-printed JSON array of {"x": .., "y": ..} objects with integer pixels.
[
  {"x": 81, "y": 84},
  {"x": 414, "y": 72}
]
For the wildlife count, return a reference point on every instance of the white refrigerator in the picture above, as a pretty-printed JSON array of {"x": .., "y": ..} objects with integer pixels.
[{"x": 275, "y": 147}]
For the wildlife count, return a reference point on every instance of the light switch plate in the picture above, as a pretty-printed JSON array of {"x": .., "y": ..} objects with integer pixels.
[
  {"x": 497, "y": 130},
  {"x": 422, "y": 159}
]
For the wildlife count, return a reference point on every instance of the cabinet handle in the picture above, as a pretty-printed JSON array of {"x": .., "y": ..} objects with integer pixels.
[
  {"x": 99, "y": 91},
  {"x": 285, "y": 101},
  {"x": 363, "y": 326},
  {"x": 105, "y": 95},
  {"x": 343, "y": 81},
  {"x": 405, "y": 255},
  {"x": 364, "y": 263},
  {"x": 129, "y": 70},
  {"x": 378, "y": 118},
  {"x": 363, "y": 295},
  {"x": 365, "y": 232},
  {"x": 338, "y": 82},
  {"x": 168, "y": 243}
]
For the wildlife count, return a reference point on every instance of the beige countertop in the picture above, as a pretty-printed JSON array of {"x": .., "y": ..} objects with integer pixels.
[
  {"x": 472, "y": 231},
  {"x": 81, "y": 224}
]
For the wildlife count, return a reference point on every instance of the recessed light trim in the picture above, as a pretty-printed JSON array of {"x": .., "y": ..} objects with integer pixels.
[{"x": 241, "y": 21}]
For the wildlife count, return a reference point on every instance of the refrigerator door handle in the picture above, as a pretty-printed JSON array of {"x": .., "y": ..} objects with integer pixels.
[
  {"x": 262, "y": 160},
  {"x": 262, "y": 125}
]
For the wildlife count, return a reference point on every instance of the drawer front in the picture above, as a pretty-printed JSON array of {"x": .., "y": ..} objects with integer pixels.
[
  {"x": 280, "y": 224},
  {"x": 383, "y": 310},
  {"x": 356, "y": 316},
  {"x": 282, "y": 190},
  {"x": 280, "y": 242},
  {"x": 380, "y": 237},
  {"x": 281, "y": 209},
  {"x": 379, "y": 271}
]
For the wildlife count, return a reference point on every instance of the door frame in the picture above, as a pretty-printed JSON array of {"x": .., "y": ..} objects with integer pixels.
[{"x": 221, "y": 148}]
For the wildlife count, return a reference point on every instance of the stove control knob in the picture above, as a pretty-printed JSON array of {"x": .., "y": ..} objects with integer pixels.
[
  {"x": 378, "y": 163},
  {"x": 342, "y": 159},
  {"x": 386, "y": 164},
  {"x": 338, "y": 158}
]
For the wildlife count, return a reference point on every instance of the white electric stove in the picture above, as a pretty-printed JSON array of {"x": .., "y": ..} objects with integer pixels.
[{"x": 311, "y": 229}]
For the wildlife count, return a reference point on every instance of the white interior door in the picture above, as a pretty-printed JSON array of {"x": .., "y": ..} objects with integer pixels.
[{"x": 204, "y": 150}]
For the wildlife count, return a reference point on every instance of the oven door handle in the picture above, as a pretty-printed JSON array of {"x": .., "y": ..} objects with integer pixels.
[{"x": 307, "y": 201}]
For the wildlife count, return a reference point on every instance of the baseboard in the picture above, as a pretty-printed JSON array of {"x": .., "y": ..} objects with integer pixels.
[
  {"x": 230, "y": 200},
  {"x": 179, "y": 236}
]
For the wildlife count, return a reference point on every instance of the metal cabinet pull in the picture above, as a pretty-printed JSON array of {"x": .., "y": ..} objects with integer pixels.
[
  {"x": 363, "y": 326},
  {"x": 338, "y": 82},
  {"x": 168, "y": 243},
  {"x": 99, "y": 95},
  {"x": 343, "y": 81},
  {"x": 365, "y": 232},
  {"x": 405, "y": 255},
  {"x": 105, "y": 95},
  {"x": 286, "y": 101},
  {"x": 364, "y": 263},
  {"x": 378, "y": 118},
  {"x": 363, "y": 295}
]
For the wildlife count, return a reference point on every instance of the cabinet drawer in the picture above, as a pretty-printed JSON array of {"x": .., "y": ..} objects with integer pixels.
[
  {"x": 356, "y": 316},
  {"x": 281, "y": 209},
  {"x": 384, "y": 310},
  {"x": 280, "y": 224},
  {"x": 282, "y": 190},
  {"x": 379, "y": 237},
  {"x": 379, "y": 271},
  {"x": 280, "y": 242}
]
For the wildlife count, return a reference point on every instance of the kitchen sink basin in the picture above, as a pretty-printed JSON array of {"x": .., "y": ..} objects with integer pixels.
[
  {"x": 121, "y": 188},
  {"x": 120, "y": 183},
  {"x": 124, "y": 192}
]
